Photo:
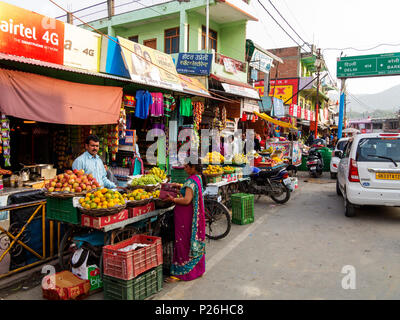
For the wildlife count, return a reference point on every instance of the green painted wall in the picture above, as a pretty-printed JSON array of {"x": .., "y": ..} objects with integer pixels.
[
  {"x": 149, "y": 31},
  {"x": 233, "y": 40}
]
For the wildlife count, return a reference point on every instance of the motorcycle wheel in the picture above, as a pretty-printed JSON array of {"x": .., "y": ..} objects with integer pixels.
[
  {"x": 313, "y": 174},
  {"x": 283, "y": 197}
]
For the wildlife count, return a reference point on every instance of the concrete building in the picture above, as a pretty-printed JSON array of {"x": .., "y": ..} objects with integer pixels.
[
  {"x": 294, "y": 81},
  {"x": 180, "y": 26}
]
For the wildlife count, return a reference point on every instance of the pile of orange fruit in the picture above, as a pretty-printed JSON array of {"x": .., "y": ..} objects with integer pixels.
[{"x": 102, "y": 199}]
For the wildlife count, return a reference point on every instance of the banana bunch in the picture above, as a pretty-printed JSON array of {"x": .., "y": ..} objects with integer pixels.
[
  {"x": 159, "y": 173},
  {"x": 240, "y": 159}
]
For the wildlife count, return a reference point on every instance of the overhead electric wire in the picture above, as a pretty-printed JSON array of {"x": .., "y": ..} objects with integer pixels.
[
  {"x": 358, "y": 100},
  {"x": 141, "y": 57},
  {"x": 279, "y": 24},
  {"x": 295, "y": 19},
  {"x": 304, "y": 42},
  {"x": 368, "y": 49}
]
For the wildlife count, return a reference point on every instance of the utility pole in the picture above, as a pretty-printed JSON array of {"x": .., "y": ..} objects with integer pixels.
[
  {"x": 207, "y": 22},
  {"x": 341, "y": 107},
  {"x": 318, "y": 63}
]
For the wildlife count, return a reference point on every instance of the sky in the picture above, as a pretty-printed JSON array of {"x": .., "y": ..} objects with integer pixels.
[{"x": 339, "y": 24}]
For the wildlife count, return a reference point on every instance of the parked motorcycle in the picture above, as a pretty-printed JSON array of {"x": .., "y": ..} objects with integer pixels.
[
  {"x": 315, "y": 162},
  {"x": 272, "y": 183}
]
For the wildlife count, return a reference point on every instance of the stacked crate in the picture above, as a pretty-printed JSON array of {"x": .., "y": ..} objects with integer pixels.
[
  {"x": 242, "y": 208},
  {"x": 134, "y": 274}
]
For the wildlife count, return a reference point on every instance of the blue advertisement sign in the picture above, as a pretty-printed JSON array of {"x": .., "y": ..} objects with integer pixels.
[
  {"x": 194, "y": 63},
  {"x": 111, "y": 61}
]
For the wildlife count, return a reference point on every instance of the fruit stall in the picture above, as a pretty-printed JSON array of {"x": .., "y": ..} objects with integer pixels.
[{"x": 119, "y": 223}]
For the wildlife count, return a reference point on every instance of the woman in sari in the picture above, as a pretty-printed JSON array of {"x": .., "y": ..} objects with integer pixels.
[{"x": 188, "y": 261}]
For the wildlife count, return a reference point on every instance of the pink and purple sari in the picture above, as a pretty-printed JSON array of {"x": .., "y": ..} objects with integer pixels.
[{"x": 188, "y": 261}]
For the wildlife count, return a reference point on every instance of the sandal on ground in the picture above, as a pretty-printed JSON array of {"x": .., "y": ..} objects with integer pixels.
[{"x": 172, "y": 279}]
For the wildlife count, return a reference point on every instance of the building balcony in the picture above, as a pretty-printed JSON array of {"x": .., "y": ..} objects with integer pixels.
[{"x": 238, "y": 65}]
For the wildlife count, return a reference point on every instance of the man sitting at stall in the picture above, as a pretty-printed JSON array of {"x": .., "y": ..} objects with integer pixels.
[{"x": 90, "y": 162}]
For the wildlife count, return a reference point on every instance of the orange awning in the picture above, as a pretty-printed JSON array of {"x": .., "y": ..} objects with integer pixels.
[{"x": 40, "y": 98}]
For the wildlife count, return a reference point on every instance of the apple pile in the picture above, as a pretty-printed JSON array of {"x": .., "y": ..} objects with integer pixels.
[{"x": 73, "y": 181}]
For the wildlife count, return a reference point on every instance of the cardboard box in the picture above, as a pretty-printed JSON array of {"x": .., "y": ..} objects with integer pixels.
[
  {"x": 137, "y": 211},
  {"x": 100, "y": 222},
  {"x": 64, "y": 285}
]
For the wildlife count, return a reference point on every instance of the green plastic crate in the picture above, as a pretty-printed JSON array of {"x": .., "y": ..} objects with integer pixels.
[
  {"x": 138, "y": 288},
  {"x": 242, "y": 208},
  {"x": 178, "y": 175},
  {"x": 62, "y": 210}
]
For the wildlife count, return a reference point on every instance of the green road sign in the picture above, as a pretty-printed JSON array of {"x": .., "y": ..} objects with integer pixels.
[{"x": 369, "y": 65}]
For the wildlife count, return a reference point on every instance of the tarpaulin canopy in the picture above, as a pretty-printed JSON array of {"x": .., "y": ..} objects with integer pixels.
[
  {"x": 39, "y": 98},
  {"x": 274, "y": 121}
]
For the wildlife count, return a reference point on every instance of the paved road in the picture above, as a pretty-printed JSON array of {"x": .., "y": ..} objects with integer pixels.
[{"x": 297, "y": 251}]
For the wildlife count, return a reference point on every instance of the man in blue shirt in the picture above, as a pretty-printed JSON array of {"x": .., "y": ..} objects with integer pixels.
[{"x": 90, "y": 162}]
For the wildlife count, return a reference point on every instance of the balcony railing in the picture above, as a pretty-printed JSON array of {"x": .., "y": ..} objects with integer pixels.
[{"x": 239, "y": 65}]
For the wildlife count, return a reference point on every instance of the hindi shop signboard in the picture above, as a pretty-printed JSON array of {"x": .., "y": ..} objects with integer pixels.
[
  {"x": 260, "y": 61},
  {"x": 194, "y": 63},
  {"x": 369, "y": 65}
]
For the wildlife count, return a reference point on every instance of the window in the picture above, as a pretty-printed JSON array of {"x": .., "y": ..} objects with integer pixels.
[
  {"x": 212, "y": 39},
  {"x": 134, "y": 39},
  {"x": 341, "y": 145},
  {"x": 347, "y": 149},
  {"x": 378, "y": 150},
  {"x": 171, "y": 44}
]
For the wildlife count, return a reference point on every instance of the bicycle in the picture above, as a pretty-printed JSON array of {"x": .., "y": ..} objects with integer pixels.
[{"x": 218, "y": 218}]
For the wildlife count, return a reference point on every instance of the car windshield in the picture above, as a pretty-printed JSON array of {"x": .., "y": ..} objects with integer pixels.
[
  {"x": 378, "y": 150},
  {"x": 341, "y": 145}
]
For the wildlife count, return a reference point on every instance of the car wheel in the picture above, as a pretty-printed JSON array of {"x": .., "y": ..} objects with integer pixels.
[
  {"x": 349, "y": 209},
  {"x": 333, "y": 175},
  {"x": 338, "y": 192}
]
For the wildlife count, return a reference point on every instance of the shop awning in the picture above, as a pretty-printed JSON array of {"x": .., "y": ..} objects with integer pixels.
[
  {"x": 274, "y": 121},
  {"x": 40, "y": 98},
  {"x": 230, "y": 81},
  {"x": 237, "y": 88}
]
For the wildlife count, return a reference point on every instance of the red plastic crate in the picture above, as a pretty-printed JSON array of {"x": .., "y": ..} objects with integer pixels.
[
  {"x": 101, "y": 222},
  {"x": 137, "y": 211},
  {"x": 128, "y": 265}
]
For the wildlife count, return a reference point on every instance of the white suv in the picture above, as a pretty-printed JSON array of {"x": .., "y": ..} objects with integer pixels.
[{"x": 369, "y": 171}]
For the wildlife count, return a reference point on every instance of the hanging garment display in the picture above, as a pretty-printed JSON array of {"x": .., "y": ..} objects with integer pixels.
[
  {"x": 122, "y": 123},
  {"x": 223, "y": 117},
  {"x": 198, "y": 109},
  {"x": 169, "y": 103},
  {"x": 5, "y": 137},
  {"x": 157, "y": 107},
  {"x": 185, "y": 108},
  {"x": 129, "y": 101},
  {"x": 143, "y": 102}
]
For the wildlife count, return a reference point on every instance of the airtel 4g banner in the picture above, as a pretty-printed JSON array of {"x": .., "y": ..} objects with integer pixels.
[
  {"x": 29, "y": 34},
  {"x": 32, "y": 35}
]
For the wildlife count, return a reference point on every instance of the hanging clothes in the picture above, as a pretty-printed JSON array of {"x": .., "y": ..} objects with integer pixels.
[
  {"x": 157, "y": 107},
  {"x": 143, "y": 102},
  {"x": 185, "y": 108},
  {"x": 169, "y": 102}
]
